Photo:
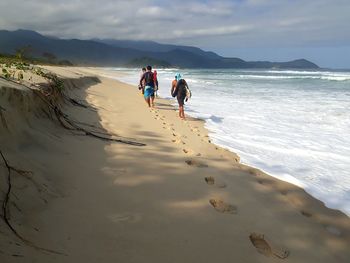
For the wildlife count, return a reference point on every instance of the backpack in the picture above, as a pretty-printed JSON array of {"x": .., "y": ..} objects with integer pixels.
[{"x": 149, "y": 79}]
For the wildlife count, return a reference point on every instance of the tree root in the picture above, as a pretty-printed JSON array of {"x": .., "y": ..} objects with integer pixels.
[
  {"x": 78, "y": 103},
  {"x": 5, "y": 208},
  {"x": 2, "y": 117},
  {"x": 76, "y": 127}
]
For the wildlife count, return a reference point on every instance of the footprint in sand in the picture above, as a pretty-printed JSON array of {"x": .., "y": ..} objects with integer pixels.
[
  {"x": 265, "y": 248},
  {"x": 306, "y": 213},
  {"x": 177, "y": 135},
  {"x": 265, "y": 182},
  {"x": 188, "y": 151},
  {"x": 178, "y": 141},
  {"x": 211, "y": 181},
  {"x": 253, "y": 172},
  {"x": 223, "y": 207},
  {"x": 196, "y": 163},
  {"x": 283, "y": 192}
]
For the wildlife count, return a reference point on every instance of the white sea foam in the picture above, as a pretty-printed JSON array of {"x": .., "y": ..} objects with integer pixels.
[
  {"x": 295, "y": 125},
  {"x": 335, "y": 77}
]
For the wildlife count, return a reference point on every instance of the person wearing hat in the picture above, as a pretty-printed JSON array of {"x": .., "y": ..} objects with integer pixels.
[{"x": 180, "y": 92}]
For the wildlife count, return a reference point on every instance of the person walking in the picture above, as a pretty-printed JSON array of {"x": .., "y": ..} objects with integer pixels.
[
  {"x": 150, "y": 86},
  {"x": 142, "y": 85},
  {"x": 155, "y": 76},
  {"x": 181, "y": 91},
  {"x": 173, "y": 85}
]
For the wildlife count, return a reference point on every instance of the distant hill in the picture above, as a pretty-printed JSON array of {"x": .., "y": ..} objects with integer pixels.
[
  {"x": 109, "y": 52},
  {"x": 141, "y": 62},
  {"x": 151, "y": 46}
]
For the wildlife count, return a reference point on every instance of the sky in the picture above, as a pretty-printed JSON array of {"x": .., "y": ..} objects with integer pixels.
[{"x": 275, "y": 30}]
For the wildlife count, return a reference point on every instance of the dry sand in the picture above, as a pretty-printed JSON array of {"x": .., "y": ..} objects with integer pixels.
[{"x": 180, "y": 198}]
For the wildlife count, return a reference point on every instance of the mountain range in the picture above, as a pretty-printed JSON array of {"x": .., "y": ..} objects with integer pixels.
[{"x": 111, "y": 52}]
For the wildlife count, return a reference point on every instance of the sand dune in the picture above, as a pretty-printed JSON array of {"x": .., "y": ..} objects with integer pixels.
[{"x": 155, "y": 190}]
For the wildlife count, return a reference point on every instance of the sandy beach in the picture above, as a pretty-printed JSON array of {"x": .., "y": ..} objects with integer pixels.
[{"x": 163, "y": 193}]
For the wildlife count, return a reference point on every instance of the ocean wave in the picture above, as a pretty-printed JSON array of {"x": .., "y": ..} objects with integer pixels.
[
  {"x": 279, "y": 77},
  {"x": 297, "y": 72},
  {"x": 336, "y": 78}
]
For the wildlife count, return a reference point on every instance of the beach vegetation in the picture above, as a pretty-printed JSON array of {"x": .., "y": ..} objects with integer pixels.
[
  {"x": 23, "y": 52},
  {"x": 143, "y": 61},
  {"x": 22, "y": 59},
  {"x": 5, "y": 73}
]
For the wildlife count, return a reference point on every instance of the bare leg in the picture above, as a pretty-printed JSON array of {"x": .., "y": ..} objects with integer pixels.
[
  {"x": 152, "y": 101},
  {"x": 182, "y": 112},
  {"x": 148, "y": 101}
]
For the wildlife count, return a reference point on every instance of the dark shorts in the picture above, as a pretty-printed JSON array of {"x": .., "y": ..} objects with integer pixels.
[{"x": 181, "y": 100}]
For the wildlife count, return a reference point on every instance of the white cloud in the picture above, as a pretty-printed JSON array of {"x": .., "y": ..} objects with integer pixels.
[
  {"x": 214, "y": 31},
  {"x": 151, "y": 11},
  {"x": 234, "y": 22},
  {"x": 258, "y": 3},
  {"x": 216, "y": 8}
]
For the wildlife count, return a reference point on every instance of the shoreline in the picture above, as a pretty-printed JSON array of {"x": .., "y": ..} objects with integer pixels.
[
  {"x": 286, "y": 178},
  {"x": 177, "y": 199},
  {"x": 244, "y": 166}
]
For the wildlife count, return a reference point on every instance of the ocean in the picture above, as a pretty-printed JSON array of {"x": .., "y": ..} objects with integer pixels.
[{"x": 294, "y": 125}]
